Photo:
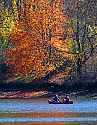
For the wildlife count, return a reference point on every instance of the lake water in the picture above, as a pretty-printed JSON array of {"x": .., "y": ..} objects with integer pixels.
[{"x": 39, "y": 112}]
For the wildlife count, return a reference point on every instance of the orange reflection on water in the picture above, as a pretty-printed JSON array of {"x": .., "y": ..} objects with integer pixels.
[{"x": 43, "y": 123}]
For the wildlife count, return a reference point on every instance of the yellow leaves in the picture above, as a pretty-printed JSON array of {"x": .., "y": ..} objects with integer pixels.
[
  {"x": 92, "y": 30},
  {"x": 59, "y": 44},
  {"x": 70, "y": 31},
  {"x": 6, "y": 24},
  {"x": 14, "y": 3},
  {"x": 51, "y": 67},
  {"x": 96, "y": 29},
  {"x": 69, "y": 42},
  {"x": 57, "y": 65}
]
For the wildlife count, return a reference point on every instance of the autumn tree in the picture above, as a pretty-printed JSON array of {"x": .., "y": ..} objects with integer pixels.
[{"x": 39, "y": 41}]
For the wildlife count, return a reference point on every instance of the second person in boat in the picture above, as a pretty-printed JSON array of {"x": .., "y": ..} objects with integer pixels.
[{"x": 56, "y": 98}]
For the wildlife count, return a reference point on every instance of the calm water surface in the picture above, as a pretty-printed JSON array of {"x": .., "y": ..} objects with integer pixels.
[{"x": 39, "y": 112}]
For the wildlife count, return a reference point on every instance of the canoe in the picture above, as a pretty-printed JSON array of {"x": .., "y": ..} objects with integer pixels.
[{"x": 52, "y": 102}]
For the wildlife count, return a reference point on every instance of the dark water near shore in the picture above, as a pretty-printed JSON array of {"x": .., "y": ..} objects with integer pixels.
[{"x": 39, "y": 112}]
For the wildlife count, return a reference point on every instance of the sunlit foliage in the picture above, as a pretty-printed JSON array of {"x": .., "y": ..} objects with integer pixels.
[{"x": 38, "y": 37}]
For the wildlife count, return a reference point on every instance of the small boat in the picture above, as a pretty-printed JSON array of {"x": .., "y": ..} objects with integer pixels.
[{"x": 53, "y": 102}]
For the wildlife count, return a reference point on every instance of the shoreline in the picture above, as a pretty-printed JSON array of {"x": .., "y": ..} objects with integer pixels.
[{"x": 45, "y": 94}]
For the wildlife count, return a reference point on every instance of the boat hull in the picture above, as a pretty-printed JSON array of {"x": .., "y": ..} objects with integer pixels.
[{"x": 50, "y": 102}]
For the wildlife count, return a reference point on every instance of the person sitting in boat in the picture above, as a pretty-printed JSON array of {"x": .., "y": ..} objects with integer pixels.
[
  {"x": 56, "y": 98},
  {"x": 66, "y": 99}
]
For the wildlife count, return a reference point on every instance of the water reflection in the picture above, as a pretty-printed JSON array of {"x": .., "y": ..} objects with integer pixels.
[
  {"x": 16, "y": 112},
  {"x": 30, "y": 106},
  {"x": 45, "y": 123},
  {"x": 75, "y": 119}
]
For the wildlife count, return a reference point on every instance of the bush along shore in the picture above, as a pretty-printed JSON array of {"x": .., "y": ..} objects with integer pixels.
[{"x": 43, "y": 89}]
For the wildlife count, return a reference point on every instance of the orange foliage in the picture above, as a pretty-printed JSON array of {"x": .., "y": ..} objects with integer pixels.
[{"x": 29, "y": 37}]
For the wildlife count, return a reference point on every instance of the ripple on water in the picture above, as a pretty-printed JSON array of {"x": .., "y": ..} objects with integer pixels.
[
  {"x": 29, "y": 106},
  {"x": 75, "y": 119}
]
